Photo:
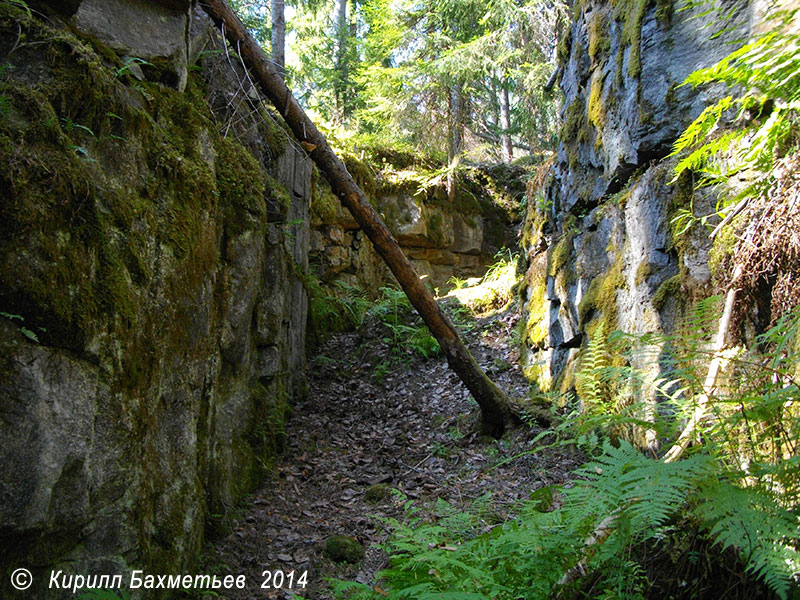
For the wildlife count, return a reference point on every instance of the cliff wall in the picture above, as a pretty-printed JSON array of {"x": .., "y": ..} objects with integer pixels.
[
  {"x": 443, "y": 237},
  {"x": 154, "y": 228},
  {"x": 602, "y": 245}
]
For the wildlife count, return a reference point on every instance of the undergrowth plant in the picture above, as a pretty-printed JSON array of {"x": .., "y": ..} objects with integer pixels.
[
  {"x": 496, "y": 287},
  {"x": 740, "y": 490},
  {"x": 335, "y": 309},
  {"x": 739, "y": 139},
  {"x": 406, "y": 331}
]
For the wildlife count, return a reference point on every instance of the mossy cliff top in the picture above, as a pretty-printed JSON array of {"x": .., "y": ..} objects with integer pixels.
[{"x": 488, "y": 190}]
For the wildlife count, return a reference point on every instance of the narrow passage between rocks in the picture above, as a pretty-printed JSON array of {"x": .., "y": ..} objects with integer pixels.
[{"x": 360, "y": 440}]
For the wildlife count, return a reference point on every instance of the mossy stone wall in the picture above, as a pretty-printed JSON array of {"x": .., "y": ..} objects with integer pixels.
[
  {"x": 151, "y": 240},
  {"x": 444, "y": 238},
  {"x": 604, "y": 228}
]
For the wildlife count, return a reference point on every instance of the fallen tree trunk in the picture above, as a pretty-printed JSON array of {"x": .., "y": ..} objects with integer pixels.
[{"x": 496, "y": 412}]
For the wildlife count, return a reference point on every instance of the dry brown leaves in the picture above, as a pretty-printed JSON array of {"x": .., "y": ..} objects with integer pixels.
[{"x": 768, "y": 250}]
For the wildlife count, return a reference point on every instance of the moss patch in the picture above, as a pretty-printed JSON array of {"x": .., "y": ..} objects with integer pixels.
[
  {"x": 597, "y": 109},
  {"x": 342, "y": 548},
  {"x": 574, "y": 125},
  {"x": 558, "y": 257},
  {"x": 599, "y": 40},
  {"x": 565, "y": 46},
  {"x": 324, "y": 203},
  {"x": 380, "y": 492},
  {"x": 535, "y": 326},
  {"x": 241, "y": 187},
  {"x": 602, "y": 296},
  {"x": 671, "y": 288},
  {"x": 644, "y": 271},
  {"x": 631, "y": 14}
]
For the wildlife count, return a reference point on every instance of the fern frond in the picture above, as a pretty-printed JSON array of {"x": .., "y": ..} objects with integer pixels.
[{"x": 749, "y": 520}]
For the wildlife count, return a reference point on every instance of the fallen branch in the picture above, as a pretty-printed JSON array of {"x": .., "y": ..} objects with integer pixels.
[{"x": 496, "y": 412}]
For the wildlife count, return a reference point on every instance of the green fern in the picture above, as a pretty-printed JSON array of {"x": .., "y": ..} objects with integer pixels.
[
  {"x": 752, "y": 522},
  {"x": 592, "y": 390},
  {"x": 767, "y": 70},
  {"x": 742, "y": 487}
]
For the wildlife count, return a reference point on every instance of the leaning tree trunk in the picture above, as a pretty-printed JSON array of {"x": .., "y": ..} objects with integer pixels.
[
  {"x": 278, "y": 37},
  {"x": 495, "y": 409}
]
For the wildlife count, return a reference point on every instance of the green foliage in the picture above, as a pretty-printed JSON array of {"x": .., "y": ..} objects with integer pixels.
[
  {"x": 741, "y": 489},
  {"x": 741, "y": 137},
  {"x": 393, "y": 310},
  {"x": 22, "y": 329},
  {"x": 749, "y": 520},
  {"x": 130, "y": 63},
  {"x": 496, "y": 287},
  {"x": 18, "y": 4},
  {"x": 334, "y": 309},
  {"x": 390, "y": 73}
]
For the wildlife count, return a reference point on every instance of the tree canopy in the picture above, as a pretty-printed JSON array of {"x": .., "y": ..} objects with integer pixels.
[{"x": 442, "y": 78}]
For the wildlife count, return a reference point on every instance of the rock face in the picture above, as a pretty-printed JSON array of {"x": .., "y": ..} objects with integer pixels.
[
  {"x": 162, "y": 37},
  {"x": 602, "y": 243},
  {"x": 151, "y": 243},
  {"x": 442, "y": 238}
]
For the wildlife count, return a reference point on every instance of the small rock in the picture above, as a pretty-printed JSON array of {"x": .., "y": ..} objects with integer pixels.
[
  {"x": 342, "y": 548},
  {"x": 377, "y": 493}
]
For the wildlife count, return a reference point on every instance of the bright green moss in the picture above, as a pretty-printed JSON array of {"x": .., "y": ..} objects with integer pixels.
[
  {"x": 631, "y": 14},
  {"x": 671, "y": 288},
  {"x": 241, "y": 187},
  {"x": 535, "y": 326},
  {"x": 644, "y": 271},
  {"x": 599, "y": 41},
  {"x": 361, "y": 172},
  {"x": 324, "y": 203},
  {"x": 561, "y": 253},
  {"x": 597, "y": 108},
  {"x": 602, "y": 295}
]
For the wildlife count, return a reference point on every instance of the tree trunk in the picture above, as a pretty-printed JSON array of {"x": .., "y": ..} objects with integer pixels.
[
  {"x": 505, "y": 124},
  {"x": 496, "y": 412},
  {"x": 340, "y": 60},
  {"x": 455, "y": 142},
  {"x": 278, "y": 39}
]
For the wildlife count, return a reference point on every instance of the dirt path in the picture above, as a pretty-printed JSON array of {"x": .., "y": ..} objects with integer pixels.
[{"x": 411, "y": 430}]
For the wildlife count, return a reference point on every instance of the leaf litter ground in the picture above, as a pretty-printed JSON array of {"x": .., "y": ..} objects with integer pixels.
[{"x": 380, "y": 420}]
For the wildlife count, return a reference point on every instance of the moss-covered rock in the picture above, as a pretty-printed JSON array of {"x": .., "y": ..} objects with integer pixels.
[
  {"x": 380, "y": 492},
  {"x": 343, "y": 548},
  {"x": 136, "y": 243}
]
